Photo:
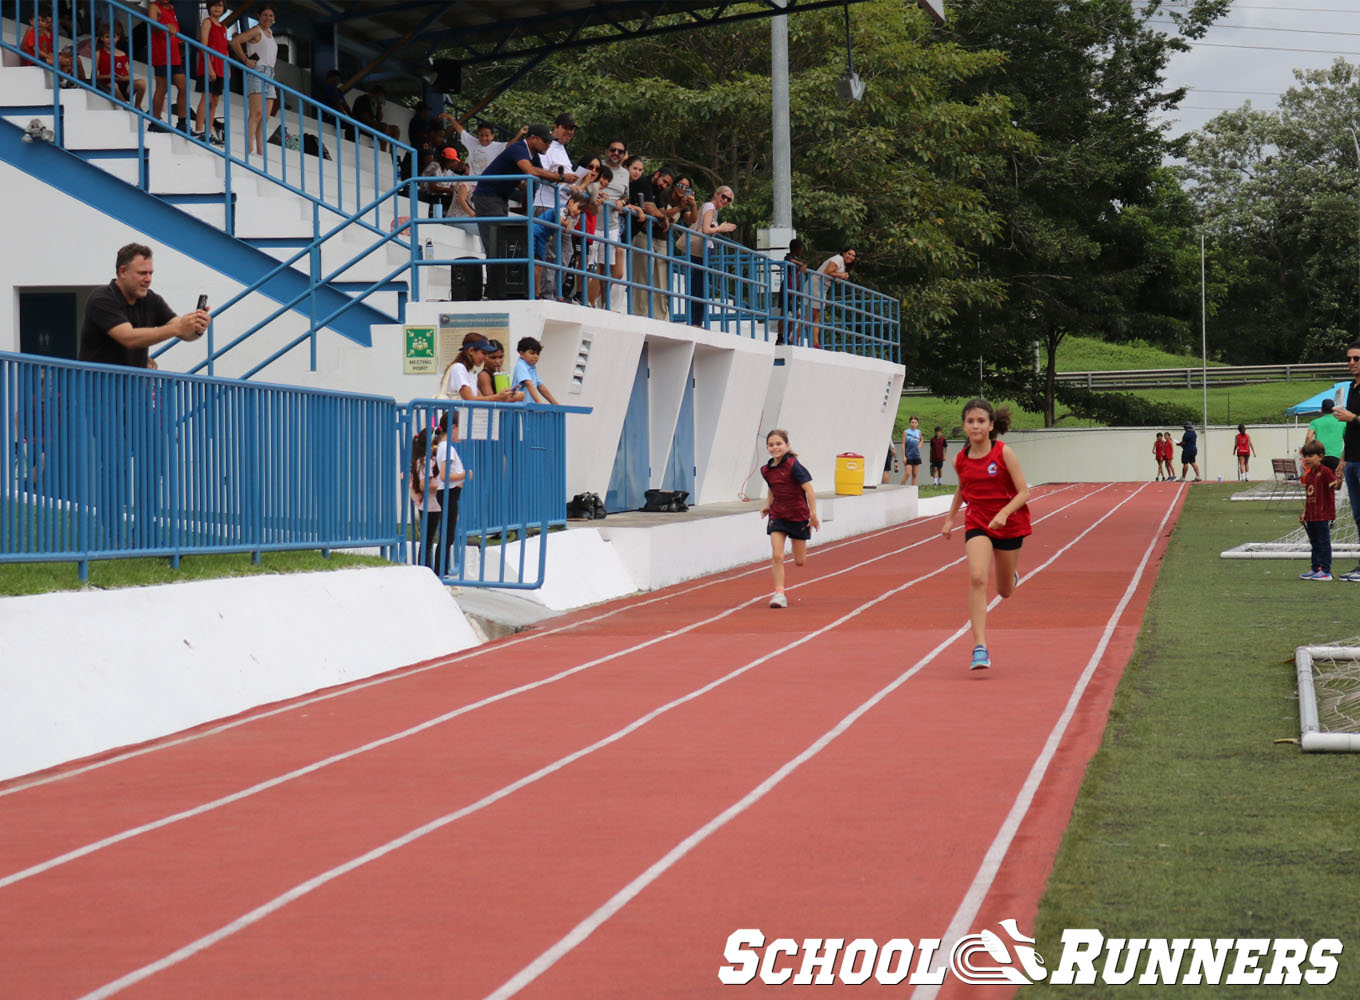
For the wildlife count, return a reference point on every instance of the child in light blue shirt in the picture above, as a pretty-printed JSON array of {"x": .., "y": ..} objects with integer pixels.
[{"x": 526, "y": 372}]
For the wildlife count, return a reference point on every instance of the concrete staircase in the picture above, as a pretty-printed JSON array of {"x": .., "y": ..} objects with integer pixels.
[{"x": 249, "y": 203}]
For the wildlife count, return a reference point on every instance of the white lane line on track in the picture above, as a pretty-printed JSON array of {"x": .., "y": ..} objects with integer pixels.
[
  {"x": 588, "y": 926},
  {"x": 402, "y": 673},
  {"x": 304, "y": 888},
  {"x": 128, "y": 834},
  {"x": 263, "y": 786},
  {"x": 996, "y": 853}
]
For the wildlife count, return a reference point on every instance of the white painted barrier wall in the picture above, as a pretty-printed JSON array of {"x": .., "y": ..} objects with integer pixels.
[
  {"x": 1124, "y": 454},
  {"x": 84, "y": 672}
]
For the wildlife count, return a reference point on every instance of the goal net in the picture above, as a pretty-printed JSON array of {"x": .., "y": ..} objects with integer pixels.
[
  {"x": 1271, "y": 492},
  {"x": 1329, "y": 696},
  {"x": 1345, "y": 541}
]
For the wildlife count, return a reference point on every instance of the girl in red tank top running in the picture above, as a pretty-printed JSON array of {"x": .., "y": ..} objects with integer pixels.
[{"x": 997, "y": 520}]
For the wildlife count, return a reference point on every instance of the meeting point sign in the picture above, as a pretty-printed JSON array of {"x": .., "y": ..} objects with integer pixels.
[{"x": 1008, "y": 958}]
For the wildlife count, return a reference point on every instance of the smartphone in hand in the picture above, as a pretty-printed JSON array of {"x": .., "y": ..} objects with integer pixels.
[{"x": 202, "y": 303}]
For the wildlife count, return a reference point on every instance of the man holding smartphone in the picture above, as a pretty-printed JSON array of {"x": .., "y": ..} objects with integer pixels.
[{"x": 124, "y": 318}]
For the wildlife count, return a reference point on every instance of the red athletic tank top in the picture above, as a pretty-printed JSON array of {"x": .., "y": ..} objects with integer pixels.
[{"x": 987, "y": 487}]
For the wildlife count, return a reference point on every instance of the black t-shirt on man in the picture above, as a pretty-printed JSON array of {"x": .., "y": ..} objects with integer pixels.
[{"x": 105, "y": 309}]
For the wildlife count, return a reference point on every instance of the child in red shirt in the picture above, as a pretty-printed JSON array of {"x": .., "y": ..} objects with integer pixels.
[
  {"x": 1319, "y": 509},
  {"x": 993, "y": 485},
  {"x": 791, "y": 508}
]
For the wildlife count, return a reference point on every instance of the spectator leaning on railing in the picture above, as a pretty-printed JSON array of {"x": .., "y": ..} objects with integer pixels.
[
  {"x": 834, "y": 268},
  {"x": 549, "y": 198},
  {"x": 708, "y": 226},
  {"x": 125, "y": 317},
  {"x": 491, "y": 196},
  {"x": 651, "y": 232}
]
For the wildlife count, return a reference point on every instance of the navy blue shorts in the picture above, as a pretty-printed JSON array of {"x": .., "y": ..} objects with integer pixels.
[
  {"x": 802, "y": 530},
  {"x": 1003, "y": 544}
]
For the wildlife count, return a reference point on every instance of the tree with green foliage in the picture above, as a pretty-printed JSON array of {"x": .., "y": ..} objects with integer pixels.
[
  {"x": 1088, "y": 243},
  {"x": 1280, "y": 198},
  {"x": 900, "y": 174}
]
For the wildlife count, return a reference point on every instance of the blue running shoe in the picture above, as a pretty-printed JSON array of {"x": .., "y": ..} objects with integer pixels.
[
  {"x": 1310, "y": 575},
  {"x": 980, "y": 659}
]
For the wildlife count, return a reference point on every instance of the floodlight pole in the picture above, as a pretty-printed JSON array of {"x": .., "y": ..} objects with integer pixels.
[
  {"x": 1204, "y": 351},
  {"x": 1356, "y": 142},
  {"x": 779, "y": 121}
]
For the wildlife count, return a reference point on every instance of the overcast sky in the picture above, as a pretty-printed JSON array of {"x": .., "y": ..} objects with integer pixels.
[{"x": 1251, "y": 53}]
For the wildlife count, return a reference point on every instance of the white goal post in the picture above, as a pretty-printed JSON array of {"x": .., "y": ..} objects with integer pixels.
[{"x": 1314, "y": 737}]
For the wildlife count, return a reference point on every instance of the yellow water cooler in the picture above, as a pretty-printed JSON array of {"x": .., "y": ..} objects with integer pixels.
[{"x": 849, "y": 474}]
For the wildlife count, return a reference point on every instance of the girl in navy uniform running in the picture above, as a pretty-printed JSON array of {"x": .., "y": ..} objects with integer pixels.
[
  {"x": 997, "y": 520},
  {"x": 791, "y": 507}
]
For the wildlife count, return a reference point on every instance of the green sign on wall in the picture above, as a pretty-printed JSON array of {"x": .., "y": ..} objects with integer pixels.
[{"x": 420, "y": 351}]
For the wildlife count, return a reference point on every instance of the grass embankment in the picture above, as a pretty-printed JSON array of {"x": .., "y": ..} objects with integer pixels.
[
  {"x": 1192, "y": 821},
  {"x": 112, "y": 574},
  {"x": 1245, "y": 404}
]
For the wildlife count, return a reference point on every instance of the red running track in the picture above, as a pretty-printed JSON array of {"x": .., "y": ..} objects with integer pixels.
[{"x": 591, "y": 809}]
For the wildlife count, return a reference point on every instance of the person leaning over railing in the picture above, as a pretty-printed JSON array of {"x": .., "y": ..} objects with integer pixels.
[
  {"x": 651, "y": 232},
  {"x": 597, "y": 251},
  {"x": 491, "y": 196},
  {"x": 708, "y": 226},
  {"x": 612, "y": 207},
  {"x": 548, "y": 201},
  {"x": 834, "y": 268}
]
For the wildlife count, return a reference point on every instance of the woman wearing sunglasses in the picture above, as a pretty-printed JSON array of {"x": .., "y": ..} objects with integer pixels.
[{"x": 708, "y": 226}]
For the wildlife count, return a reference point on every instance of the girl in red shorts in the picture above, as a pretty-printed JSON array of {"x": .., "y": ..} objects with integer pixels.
[
  {"x": 791, "y": 508},
  {"x": 997, "y": 521}
]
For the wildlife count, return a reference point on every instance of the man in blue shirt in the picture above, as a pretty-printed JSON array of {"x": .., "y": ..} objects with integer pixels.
[{"x": 491, "y": 197}]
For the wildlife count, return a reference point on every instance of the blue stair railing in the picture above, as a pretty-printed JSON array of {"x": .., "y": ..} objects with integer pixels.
[{"x": 320, "y": 157}]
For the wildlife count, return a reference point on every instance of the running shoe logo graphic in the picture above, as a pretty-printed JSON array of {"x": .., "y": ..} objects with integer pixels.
[{"x": 1003, "y": 971}]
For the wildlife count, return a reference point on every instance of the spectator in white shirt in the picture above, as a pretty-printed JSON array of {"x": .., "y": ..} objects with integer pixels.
[
  {"x": 482, "y": 148},
  {"x": 834, "y": 268}
]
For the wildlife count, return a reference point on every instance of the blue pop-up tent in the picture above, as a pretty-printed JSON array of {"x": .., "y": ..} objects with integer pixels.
[{"x": 1313, "y": 404}]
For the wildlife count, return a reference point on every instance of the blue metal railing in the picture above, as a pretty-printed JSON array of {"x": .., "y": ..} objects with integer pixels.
[
  {"x": 708, "y": 282},
  {"x": 336, "y": 165},
  {"x": 681, "y": 277},
  {"x": 105, "y": 462},
  {"x": 514, "y": 490}
]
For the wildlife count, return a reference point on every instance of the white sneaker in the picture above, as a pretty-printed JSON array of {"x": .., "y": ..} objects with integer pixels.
[{"x": 779, "y": 600}]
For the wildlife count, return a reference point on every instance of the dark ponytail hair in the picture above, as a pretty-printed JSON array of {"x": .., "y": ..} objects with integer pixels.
[
  {"x": 1001, "y": 419},
  {"x": 419, "y": 448}
]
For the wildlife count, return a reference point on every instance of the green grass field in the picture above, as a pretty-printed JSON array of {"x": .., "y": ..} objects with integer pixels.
[
  {"x": 110, "y": 574},
  {"x": 1192, "y": 821}
]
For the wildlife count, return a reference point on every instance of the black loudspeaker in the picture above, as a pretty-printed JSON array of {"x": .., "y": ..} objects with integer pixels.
[
  {"x": 510, "y": 281},
  {"x": 448, "y": 76},
  {"x": 465, "y": 280}
]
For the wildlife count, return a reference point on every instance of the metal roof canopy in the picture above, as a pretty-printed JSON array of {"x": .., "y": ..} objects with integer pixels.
[{"x": 410, "y": 32}]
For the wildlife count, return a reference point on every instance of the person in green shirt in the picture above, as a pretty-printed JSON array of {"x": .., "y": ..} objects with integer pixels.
[{"x": 1329, "y": 431}]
